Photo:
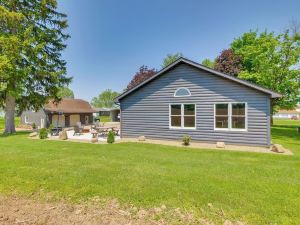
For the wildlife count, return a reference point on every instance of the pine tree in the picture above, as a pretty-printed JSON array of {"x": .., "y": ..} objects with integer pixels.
[{"x": 32, "y": 70}]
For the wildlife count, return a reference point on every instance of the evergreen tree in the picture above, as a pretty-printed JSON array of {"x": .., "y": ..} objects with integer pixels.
[{"x": 31, "y": 68}]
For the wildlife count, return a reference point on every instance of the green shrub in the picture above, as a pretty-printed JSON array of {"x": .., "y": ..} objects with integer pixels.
[
  {"x": 111, "y": 137},
  {"x": 34, "y": 126},
  {"x": 43, "y": 133},
  {"x": 186, "y": 139},
  {"x": 51, "y": 126}
]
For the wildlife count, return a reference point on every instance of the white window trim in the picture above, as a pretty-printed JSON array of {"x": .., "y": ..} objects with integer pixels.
[
  {"x": 182, "y": 95},
  {"x": 230, "y": 117},
  {"x": 182, "y": 117},
  {"x": 26, "y": 120}
]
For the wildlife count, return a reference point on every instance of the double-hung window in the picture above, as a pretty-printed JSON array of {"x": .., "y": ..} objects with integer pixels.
[
  {"x": 231, "y": 116},
  {"x": 183, "y": 116}
]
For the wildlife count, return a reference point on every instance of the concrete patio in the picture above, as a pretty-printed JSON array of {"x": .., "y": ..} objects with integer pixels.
[{"x": 85, "y": 137}]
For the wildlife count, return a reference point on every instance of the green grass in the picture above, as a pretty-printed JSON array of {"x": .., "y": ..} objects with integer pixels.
[
  {"x": 105, "y": 119},
  {"x": 2, "y": 122},
  {"x": 252, "y": 187},
  {"x": 286, "y": 122}
]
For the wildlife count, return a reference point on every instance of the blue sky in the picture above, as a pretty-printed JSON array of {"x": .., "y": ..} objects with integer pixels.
[{"x": 111, "y": 39}]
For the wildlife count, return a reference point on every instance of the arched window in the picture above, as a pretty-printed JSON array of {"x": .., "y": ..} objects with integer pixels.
[{"x": 182, "y": 92}]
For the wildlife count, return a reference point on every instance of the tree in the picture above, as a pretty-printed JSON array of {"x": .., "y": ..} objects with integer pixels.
[
  {"x": 294, "y": 27},
  {"x": 170, "y": 59},
  {"x": 143, "y": 74},
  {"x": 208, "y": 63},
  {"x": 105, "y": 99},
  {"x": 31, "y": 67},
  {"x": 271, "y": 61},
  {"x": 228, "y": 62},
  {"x": 65, "y": 92}
]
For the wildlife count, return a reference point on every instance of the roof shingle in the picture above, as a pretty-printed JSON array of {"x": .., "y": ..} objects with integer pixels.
[{"x": 69, "y": 105}]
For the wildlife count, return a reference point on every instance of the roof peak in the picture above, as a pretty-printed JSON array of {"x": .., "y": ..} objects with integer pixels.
[{"x": 200, "y": 66}]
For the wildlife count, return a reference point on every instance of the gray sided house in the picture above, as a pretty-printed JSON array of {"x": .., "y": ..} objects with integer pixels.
[
  {"x": 187, "y": 98},
  {"x": 67, "y": 113}
]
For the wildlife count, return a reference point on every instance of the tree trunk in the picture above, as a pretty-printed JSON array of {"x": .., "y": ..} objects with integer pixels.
[
  {"x": 272, "y": 120},
  {"x": 10, "y": 105}
]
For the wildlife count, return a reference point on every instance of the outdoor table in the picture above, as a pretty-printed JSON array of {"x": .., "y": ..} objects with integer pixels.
[{"x": 105, "y": 129}]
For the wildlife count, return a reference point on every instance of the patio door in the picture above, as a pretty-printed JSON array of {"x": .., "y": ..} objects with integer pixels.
[
  {"x": 74, "y": 119},
  {"x": 58, "y": 120},
  {"x": 86, "y": 120}
]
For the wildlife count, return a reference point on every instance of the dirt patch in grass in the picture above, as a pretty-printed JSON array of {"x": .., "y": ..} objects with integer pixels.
[{"x": 16, "y": 210}]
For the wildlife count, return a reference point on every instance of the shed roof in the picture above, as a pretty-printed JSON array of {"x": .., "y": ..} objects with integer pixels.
[
  {"x": 199, "y": 66},
  {"x": 69, "y": 105}
]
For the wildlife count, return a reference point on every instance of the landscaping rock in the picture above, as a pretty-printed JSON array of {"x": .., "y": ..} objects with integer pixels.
[
  {"x": 142, "y": 138},
  {"x": 94, "y": 140},
  {"x": 33, "y": 134},
  {"x": 63, "y": 135},
  {"x": 277, "y": 148},
  {"x": 220, "y": 144}
]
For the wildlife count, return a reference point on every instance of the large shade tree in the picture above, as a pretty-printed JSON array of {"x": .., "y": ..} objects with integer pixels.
[
  {"x": 208, "y": 63},
  {"x": 170, "y": 58},
  {"x": 32, "y": 38},
  {"x": 65, "y": 92},
  {"x": 228, "y": 62},
  {"x": 272, "y": 61},
  {"x": 105, "y": 99},
  {"x": 143, "y": 74}
]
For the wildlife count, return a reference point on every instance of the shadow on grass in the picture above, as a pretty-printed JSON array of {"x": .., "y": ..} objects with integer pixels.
[
  {"x": 18, "y": 133},
  {"x": 287, "y": 126},
  {"x": 285, "y": 133}
]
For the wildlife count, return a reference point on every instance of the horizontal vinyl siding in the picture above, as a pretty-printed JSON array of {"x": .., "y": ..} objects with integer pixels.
[
  {"x": 146, "y": 111},
  {"x": 34, "y": 117}
]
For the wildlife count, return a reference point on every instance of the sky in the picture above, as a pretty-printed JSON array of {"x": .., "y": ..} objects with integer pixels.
[{"x": 111, "y": 39}]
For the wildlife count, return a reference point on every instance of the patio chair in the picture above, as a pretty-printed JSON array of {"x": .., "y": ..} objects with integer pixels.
[
  {"x": 77, "y": 130},
  {"x": 97, "y": 124},
  {"x": 116, "y": 130}
]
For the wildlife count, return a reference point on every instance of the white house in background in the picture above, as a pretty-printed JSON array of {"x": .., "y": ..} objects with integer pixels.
[{"x": 288, "y": 114}]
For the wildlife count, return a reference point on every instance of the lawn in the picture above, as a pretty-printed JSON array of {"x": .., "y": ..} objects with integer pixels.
[
  {"x": 286, "y": 122},
  {"x": 252, "y": 187},
  {"x": 105, "y": 119},
  {"x": 2, "y": 122}
]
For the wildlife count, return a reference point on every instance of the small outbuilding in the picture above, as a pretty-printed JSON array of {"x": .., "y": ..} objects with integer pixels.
[
  {"x": 67, "y": 113},
  {"x": 187, "y": 98},
  {"x": 113, "y": 113}
]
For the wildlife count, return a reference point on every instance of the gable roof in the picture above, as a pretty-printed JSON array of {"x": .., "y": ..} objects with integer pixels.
[
  {"x": 199, "y": 66},
  {"x": 69, "y": 105}
]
